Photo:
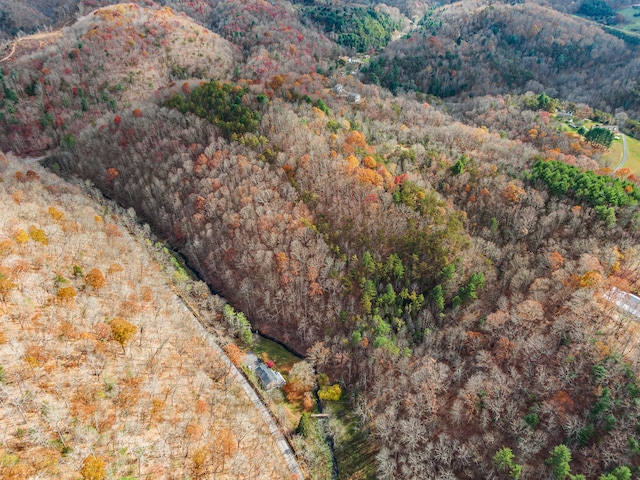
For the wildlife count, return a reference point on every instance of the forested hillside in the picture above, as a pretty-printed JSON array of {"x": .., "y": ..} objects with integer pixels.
[
  {"x": 23, "y": 17},
  {"x": 115, "y": 57},
  {"x": 103, "y": 371},
  {"x": 451, "y": 278},
  {"x": 471, "y": 48}
]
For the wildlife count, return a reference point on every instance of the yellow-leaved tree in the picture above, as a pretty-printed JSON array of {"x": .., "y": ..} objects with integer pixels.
[
  {"x": 122, "y": 331},
  {"x": 93, "y": 468}
]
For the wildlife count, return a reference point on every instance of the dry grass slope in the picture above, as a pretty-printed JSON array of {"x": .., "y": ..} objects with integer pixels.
[{"x": 103, "y": 372}]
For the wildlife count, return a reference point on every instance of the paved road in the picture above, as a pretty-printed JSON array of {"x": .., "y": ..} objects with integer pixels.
[
  {"x": 282, "y": 443},
  {"x": 624, "y": 152}
]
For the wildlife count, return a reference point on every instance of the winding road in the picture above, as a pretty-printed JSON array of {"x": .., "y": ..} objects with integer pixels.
[{"x": 624, "y": 153}]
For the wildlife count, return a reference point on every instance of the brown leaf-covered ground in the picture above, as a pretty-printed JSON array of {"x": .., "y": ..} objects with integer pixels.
[{"x": 100, "y": 358}]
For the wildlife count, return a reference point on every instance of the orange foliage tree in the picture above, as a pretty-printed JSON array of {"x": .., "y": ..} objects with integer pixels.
[
  {"x": 299, "y": 385},
  {"x": 234, "y": 353},
  {"x": 512, "y": 193},
  {"x": 224, "y": 447},
  {"x": 6, "y": 285},
  {"x": 66, "y": 295},
  {"x": 95, "y": 279},
  {"x": 56, "y": 214},
  {"x": 370, "y": 177},
  {"x": 590, "y": 280},
  {"x": 556, "y": 260},
  {"x": 354, "y": 140},
  {"x": 369, "y": 162},
  {"x": 111, "y": 175}
]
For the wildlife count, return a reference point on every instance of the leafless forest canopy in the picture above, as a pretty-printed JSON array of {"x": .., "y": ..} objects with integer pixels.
[{"x": 407, "y": 251}]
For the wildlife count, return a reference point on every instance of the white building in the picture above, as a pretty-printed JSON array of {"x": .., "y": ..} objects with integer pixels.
[
  {"x": 354, "y": 97},
  {"x": 625, "y": 301}
]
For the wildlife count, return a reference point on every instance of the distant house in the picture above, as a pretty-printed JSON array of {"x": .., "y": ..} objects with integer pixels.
[
  {"x": 339, "y": 89},
  {"x": 625, "y": 301},
  {"x": 611, "y": 128},
  {"x": 269, "y": 379},
  {"x": 354, "y": 97}
]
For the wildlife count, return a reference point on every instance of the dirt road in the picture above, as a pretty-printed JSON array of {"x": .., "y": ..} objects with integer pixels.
[{"x": 39, "y": 37}]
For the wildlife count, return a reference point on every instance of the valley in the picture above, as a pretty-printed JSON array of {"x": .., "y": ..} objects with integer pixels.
[{"x": 422, "y": 200}]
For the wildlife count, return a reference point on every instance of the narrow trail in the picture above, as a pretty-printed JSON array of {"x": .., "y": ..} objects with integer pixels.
[
  {"x": 13, "y": 50},
  {"x": 36, "y": 37}
]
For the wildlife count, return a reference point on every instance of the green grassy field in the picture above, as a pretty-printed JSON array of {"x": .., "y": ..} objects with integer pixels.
[
  {"x": 633, "y": 157},
  {"x": 631, "y": 24},
  {"x": 614, "y": 155},
  {"x": 563, "y": 125},
  {"x": 355, "y": 451},
  {"x": 282, "y": 357}
]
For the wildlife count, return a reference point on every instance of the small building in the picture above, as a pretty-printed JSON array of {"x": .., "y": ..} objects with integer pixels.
[
  {"x": 611, "y": 128},
  {"x": 269, "y": 379},
  {"x": 339, "y": 89},
  {"x": 353, "y": 97},
  {"x": 625, "y": 301}
]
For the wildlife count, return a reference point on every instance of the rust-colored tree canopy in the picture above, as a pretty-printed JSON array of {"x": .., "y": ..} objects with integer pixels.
[{"x": 95, "y": 279}]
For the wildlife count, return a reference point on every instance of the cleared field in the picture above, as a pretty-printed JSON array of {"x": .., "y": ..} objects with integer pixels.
[
  {"x": 282, "y": 357},
  {"x": 614, "y": 155},
  {"x": 632, "y": 22},
  {"x": 633, "y": 157}
]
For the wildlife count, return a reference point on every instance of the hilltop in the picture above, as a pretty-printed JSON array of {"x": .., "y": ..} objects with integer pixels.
[{"x": 116, "y": 56}]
